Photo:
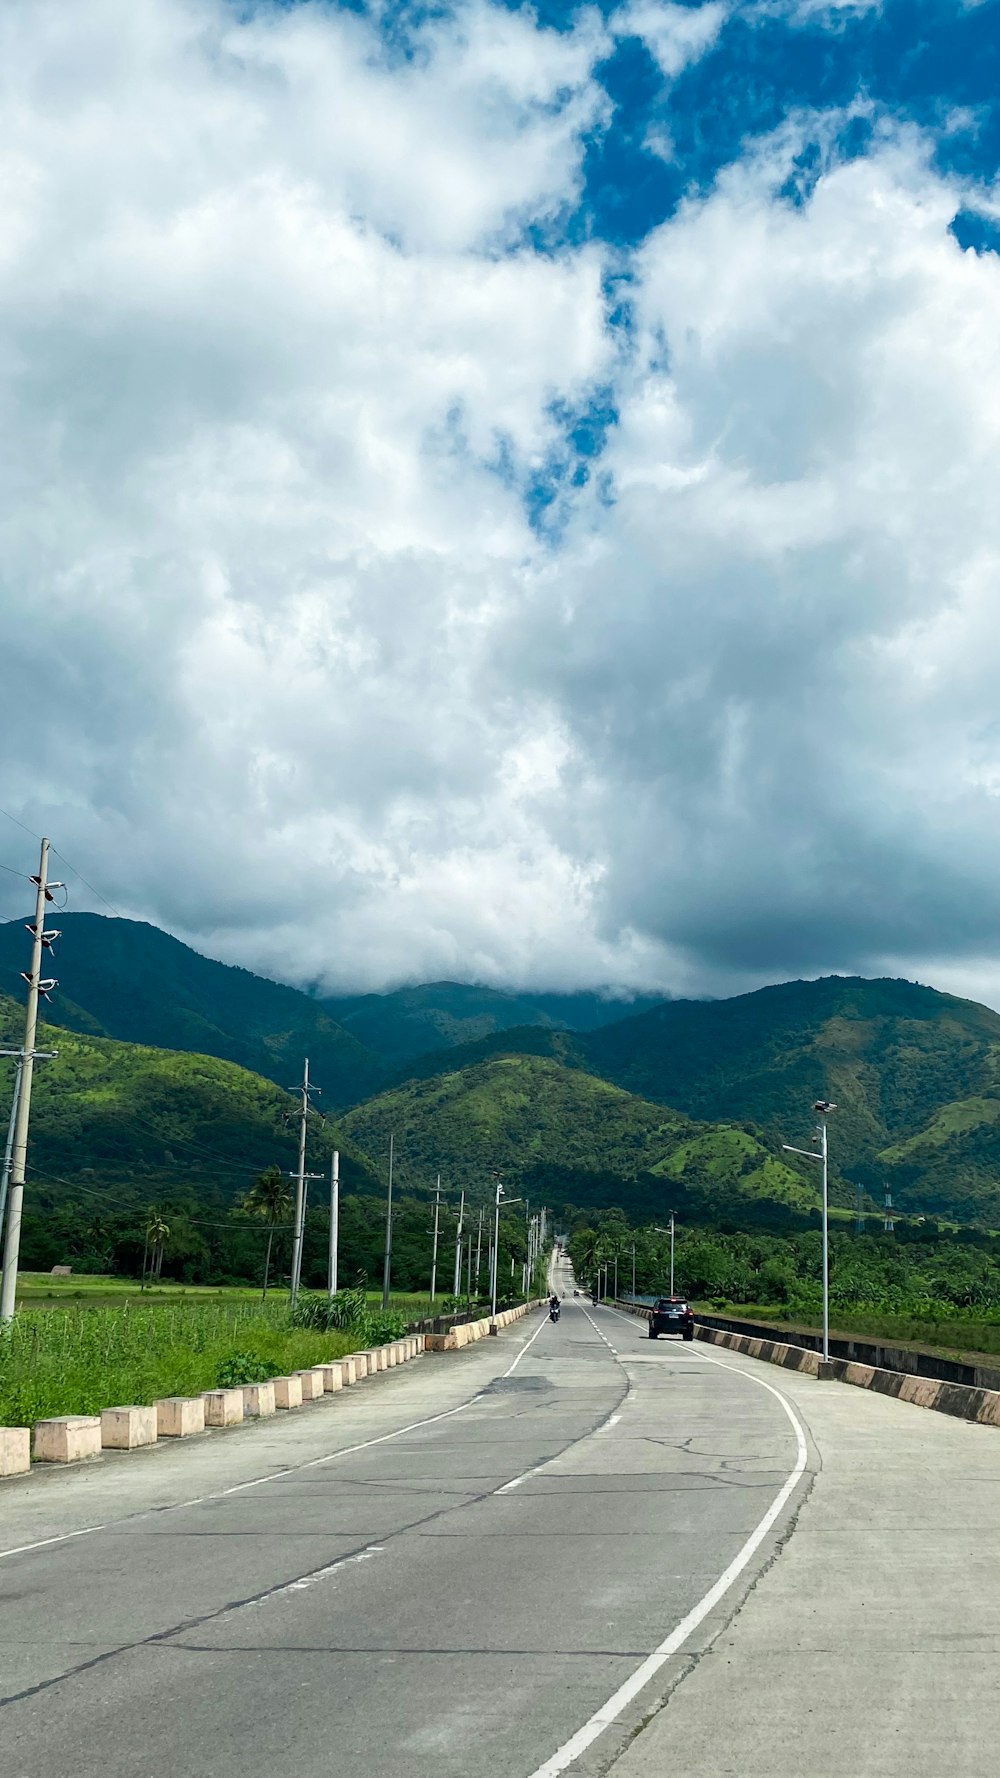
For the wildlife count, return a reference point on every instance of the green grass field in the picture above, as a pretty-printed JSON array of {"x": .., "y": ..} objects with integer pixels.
[
  {"x": 78, "y": 1360},
  {"x": 78, "y": 1345},
  {"x": 84, "y": 1290}
]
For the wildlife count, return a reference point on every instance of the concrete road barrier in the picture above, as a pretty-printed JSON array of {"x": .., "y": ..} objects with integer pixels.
[
  {"x": 180, "y": 1416},
  {"x": 223, "y": 1407},
  {"x": 348, "y": 1371},
  {"x": 15, "y": 1450},
  {"x": 333, "y": 1378},
  {"x": 311, "y": 1385},
  {"x": 288, "y": 1392},
  {"x": 258, "y": 1400},
  {"x": 127, "y": 1429},
  {"x": 69, "y": 1439}
]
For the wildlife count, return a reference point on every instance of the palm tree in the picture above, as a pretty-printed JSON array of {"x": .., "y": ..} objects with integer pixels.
[
  {"x": 269, "y": 1198},
  {"x": 157, "y": 1232}
]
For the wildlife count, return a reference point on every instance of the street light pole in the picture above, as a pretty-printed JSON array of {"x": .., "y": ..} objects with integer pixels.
[
  {"x": 671, "y": 1253},
  {"x": 331, "y": 1270},
  {"x": 823, "y": 1108}
]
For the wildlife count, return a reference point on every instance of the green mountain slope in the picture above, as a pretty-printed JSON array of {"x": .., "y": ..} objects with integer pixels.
[
  {"x": 523, "y": 1114},
  {"x": 124, "y": 979},
  {"x": 120, "y": 1118},
  {"x": 412, "y": 1022},
  {"x": 901, "y": 1061}
]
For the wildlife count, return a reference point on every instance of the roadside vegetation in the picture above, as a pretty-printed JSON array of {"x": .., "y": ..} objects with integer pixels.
[
  {"x": 921, "y": 1283},
  {"x": 79, "y": 1359}
]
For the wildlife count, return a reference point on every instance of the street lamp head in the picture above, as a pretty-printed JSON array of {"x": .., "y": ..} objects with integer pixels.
[{"x": 823, "y": 1106}]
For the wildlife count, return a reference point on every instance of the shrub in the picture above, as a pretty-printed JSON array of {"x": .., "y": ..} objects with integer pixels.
[{"x": 244, "y": 1367}]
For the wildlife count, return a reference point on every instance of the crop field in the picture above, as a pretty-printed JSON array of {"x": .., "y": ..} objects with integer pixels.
[
  {"x": 85, "y": 1290},
  {"x": 79, "y": 1359}
]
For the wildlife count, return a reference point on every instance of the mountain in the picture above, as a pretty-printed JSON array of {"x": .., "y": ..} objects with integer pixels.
[
  {"x": 915, "y": 1075},
  {"x": 408, "y": 1023},
  {"x": 529, "y": 1114},
  {"x": 111, "y": 1117},
  {"x": 127, "y": 980}
]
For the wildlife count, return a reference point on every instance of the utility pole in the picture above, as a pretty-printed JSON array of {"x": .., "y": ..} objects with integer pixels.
[
  {"x": 616, "y": 1275},
  {"x": 671, "y": 1253},
  {"x": 387, "y": 1261},
  {"x": 633, "y": 1268},
  {"x": 40, "y": 941},
  {"x": 890, "y": 1222},
  {"x": 479, "y": 1248},
  {"x": 458, "y": 1247},
  {"x": 331, "y": 1271},
  {"x": 9, "y": 1148},
  {"x": 300, "y": 1177},
  {"x": 823, "y": 1108},
  {"x": 468, "y": 1268},
  {"x": 496, "y": 1244},
  {"x": 434, "y": 1258}
]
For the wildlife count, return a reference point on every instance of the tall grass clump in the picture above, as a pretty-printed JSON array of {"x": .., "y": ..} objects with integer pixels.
[
  {"x": 350, "y": 1313},
  {"x": 80, "y": 1360}
]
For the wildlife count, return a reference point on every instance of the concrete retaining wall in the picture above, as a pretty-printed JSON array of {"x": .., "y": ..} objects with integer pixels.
[
  {"x": 883, "y": 1355},
  {"x": 958, "y": 1399}
]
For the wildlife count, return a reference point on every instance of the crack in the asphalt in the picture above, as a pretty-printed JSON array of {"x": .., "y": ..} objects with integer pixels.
[{"x": 158, "y": 1637}]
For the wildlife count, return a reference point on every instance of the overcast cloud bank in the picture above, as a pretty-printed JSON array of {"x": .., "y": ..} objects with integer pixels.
[{"x": 540, "y": 607}]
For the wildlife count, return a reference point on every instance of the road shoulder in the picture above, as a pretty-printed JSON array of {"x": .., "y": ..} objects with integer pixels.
[{"x": 869, "y": 1648}]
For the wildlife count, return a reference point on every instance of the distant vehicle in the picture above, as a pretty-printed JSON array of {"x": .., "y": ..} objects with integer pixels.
[
  {"x": 576, "y": 1293},
  {"x": 671, "y": 1315}
]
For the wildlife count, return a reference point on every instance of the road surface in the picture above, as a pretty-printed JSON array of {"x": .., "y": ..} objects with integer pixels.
[{"x": 447, "y": 1572}]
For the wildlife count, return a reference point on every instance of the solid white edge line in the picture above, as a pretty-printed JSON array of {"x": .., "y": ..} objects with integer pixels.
[
  {"x": 274, "y": 1475},
  {"x": 648, "y": 1669},
  {"x": 524, "y": 1348}
]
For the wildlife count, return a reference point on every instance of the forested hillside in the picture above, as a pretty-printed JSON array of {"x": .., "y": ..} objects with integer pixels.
[
  {"x": 524, "y": 1115},
  {"x": 126, "y": 1119},
  {"x": 123, "y": 979}
]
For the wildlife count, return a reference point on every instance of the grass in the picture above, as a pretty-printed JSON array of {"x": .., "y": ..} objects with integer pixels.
[
  {"x": 84, "y": 1358},
  {"x": 87, "y": 1290}
]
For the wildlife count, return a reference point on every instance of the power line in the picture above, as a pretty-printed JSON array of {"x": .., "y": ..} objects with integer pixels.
[
  {"x": 44, "y": 1176},
  {"x": 20, "y": 824},
  {"x": 79, "y": 874},
  {"x": 9, "y": 868},
  {"x": 66, "y": 861}
]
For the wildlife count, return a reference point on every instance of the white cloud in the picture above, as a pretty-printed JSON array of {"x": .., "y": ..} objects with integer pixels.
[
  {"x": 278, "y": 360},
  {"x": 675, "y": 35},
  {"x": 777, "y": 649}
]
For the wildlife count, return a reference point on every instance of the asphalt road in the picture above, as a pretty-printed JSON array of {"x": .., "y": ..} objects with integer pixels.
[{"x": 336, "y": 1596}]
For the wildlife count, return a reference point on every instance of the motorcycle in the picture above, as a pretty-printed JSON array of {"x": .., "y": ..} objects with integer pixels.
[{"x": 554, "y": 1312}]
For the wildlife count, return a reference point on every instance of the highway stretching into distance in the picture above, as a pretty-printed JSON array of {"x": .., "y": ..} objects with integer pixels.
[{"x": 568, "y": 1549}]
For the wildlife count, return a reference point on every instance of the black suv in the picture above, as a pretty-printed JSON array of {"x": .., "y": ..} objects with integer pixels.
[{"x": 671, "y": 1315}]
